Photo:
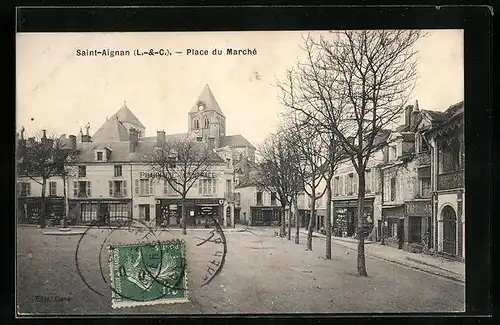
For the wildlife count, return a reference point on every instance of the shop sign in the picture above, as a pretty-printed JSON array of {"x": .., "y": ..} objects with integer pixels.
[
  {"x": 149, "y": 175},
  {"x": 208, "y": 210},
  {"x": 422, "y": 208}
]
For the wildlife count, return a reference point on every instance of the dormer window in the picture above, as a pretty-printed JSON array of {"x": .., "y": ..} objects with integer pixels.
[{"x": 101, "y": 155}]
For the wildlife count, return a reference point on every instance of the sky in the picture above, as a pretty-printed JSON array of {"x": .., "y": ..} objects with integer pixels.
[{"x": 62, "y": 92}]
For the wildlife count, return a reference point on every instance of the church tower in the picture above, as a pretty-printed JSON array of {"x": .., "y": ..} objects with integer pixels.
[{"x": 206, "y": 120}]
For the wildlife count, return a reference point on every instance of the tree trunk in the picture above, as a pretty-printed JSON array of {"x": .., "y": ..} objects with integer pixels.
[
  {"x": 282, "y": 227},
  {"x": 361, "y": 225},
  {"x": 42, "y": 204},
  {"x": 290, "y": 214},
  {"x": 311, "y": 218},
  {"x": 183, "y": 214},
  {"x": 297, "y": 220},
  {"x": 328, "y": 227}
]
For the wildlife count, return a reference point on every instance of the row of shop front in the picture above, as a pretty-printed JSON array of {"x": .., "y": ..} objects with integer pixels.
[{"x": 159, "y": 212}]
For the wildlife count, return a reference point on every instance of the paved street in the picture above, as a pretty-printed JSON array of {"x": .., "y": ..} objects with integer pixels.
[{"x": 262, "y": 274}]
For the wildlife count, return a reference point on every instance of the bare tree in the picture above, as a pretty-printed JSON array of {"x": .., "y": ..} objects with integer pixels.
[
  {"x": 277, "y": 172},
  {"x": 41, "y": 158},
  {"x": 355, "y": 84},
  {"x": 182, "y": 163},
  {"x": 311, "y": 152}
]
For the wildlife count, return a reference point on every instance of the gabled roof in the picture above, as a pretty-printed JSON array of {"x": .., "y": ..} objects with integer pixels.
[
  {"x": 112, "y": 130},
  {"x": 236, "y": 140},
  {"x": 208, "y": 99},
  {"x": 124, "y": 114}
]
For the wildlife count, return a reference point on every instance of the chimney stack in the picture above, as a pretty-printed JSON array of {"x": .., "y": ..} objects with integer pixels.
[
  {"x": 414, "y": 115},
  {"x": 86, "y": 138},
  {"x": 408, "y": 110},
  {"x": 72, "y": 142},
  {"x": 134, "y": 140},
  {"x": 160, "y": 139}
]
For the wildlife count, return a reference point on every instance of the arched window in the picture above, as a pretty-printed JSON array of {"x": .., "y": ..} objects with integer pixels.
[
  {"x": 196, "y": 124},
  {"x": 206, "y": 123}
]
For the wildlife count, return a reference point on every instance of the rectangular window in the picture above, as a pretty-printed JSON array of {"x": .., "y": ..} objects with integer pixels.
[
  {"x": 118, "y": 188},
  {"x": 228, "y": 163},
  {"x": 89, "y": 211},
  {"x": 342, "y": 185},
  {"x": 368, "y": 181},
  {"x": 273, "y": 198},
  {"x": 169, "y": 189},
  {"x": 259, "y": 198},
  {"x": 143, "y": 186},
  {"x": 52, "y": 188},
  {"x": 336, "y": 186},
  {"x": 82, "y": 188},
  {"x": 425, "y": 187},
  {"x": 118, "y": 170},
  {"x": 228, "y": 186},
  {"x": 82, "y": 171},
  {"x": 99, "y": 156},
  {"x": 25, "y": 189},
  {"x": 118, "y": 211},
  {"x": 349, "y": 184},
  {"x": 207, "y": 186},
  {"x": 355, "y": 185},
  {"x": 393, "y": 189}
]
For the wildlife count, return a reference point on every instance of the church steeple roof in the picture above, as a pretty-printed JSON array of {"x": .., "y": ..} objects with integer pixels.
[
  {"x": 124, "y": 114},
  {"x": 207, "y": 99}
]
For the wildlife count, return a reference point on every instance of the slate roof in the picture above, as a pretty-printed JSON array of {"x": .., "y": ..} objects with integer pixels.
[
  {"x": 124, "y": 114},
  {"x": 236, "y": 140},
  {"x": 168, "y": 137},
  {"x": 207, "y": 97},
  {"x": 436, "y": 116},
  {"x": 112, "y": 130},
  {"x": 120, "y": 151}
]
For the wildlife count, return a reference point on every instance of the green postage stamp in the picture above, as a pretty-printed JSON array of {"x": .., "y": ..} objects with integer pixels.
[{"x": 148, "y": 274}]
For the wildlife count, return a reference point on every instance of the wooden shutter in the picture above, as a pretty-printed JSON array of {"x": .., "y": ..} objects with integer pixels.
[
  {"x": 165, "y": 187},
  {"x": 28, "y": 189},
  {"x": 136, "y": 187},
  {"x": 89, "y": 190},
  {"x": 75, "y": 188},
  {"x": 150, "y": 186},
  {"x": 124, "y": 188},
  {"x": 111, "y": 188},
  {"x": 214, "y": 186},
  {"x": 200, "y": 187}
]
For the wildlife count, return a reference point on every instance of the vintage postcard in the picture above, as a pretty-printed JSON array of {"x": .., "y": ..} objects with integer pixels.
[{"x": 251, "y": 172}]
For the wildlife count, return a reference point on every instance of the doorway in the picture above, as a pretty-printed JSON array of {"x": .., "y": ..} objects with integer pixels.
[
  {"x": 449, "y": 218},
  {"x": 401, "y": 233},
  {"x": 144, "y": 212}
]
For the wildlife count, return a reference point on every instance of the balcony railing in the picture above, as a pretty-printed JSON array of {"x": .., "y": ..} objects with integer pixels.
[
  {"x": 450, "y": 180},
  {"x": 82, "y": 194},
  {"x": 118, "y": 194}
]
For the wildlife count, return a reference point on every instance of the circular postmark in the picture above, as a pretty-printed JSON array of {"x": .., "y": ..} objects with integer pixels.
[
  {"x": 133, "y": 237},
  {"x": 141, "y": 263},
  {"x": 217, "y": 260}
]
